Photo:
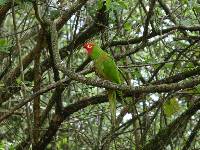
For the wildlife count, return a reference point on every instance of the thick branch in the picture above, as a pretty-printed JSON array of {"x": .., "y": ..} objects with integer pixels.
[
  {"x": 10, "y": 79},
  {"x": 58, "y": 119},
  {"x": 31, "y": 97},
  {"x": 4, "y": 9},
  {"x": 179, "y": 76},
  {"x": 149, "y": 15}
]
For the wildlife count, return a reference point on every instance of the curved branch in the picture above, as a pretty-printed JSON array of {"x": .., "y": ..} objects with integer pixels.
[
  {"x": 14, "y": 73},
  {"x": 58, "y": 119},
  {"x": 153, "y": 34},
  {"x": 148, "y": 18},
  {"x": 130, "y": 91},
  {"x": 192, "y": 136},
  {"x": 164, "y": 136},
  {"x": 4, "y": 9}
]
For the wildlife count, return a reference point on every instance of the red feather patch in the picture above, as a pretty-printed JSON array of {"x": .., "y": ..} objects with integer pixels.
[{"x": 88, "y": 47}]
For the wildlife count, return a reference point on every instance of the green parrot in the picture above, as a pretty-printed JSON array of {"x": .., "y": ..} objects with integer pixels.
[{"x": 105, "y": 68}]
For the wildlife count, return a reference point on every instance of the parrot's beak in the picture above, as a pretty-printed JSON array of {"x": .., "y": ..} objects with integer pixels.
[{"x": 85, "y": 47}]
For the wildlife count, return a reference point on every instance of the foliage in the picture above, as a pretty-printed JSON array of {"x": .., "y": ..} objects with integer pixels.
[
  {"x": 171, "y": 107},
  {"x": 155, "y": 44}
]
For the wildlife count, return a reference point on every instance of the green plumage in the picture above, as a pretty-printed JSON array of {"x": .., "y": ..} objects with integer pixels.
[{"x": 106, "y": 68}]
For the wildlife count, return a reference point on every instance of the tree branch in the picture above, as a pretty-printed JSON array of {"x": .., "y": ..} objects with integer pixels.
[
  {"x": 149, "y": 15},
  {"x": 164, "y": 136},
  {"x": 192, "y": 136}
]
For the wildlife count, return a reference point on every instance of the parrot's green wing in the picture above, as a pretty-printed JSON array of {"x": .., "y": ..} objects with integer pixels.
[{"x": 106, "y": 67}]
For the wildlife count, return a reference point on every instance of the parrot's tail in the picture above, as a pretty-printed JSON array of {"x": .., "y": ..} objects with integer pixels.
[{"x": 113, "y": 103}]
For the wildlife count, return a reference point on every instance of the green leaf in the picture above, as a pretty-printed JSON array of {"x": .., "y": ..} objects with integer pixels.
[
  {"x": 2, "y": 146},
  {"x": 122, "y": 4},
  {"x": 197, "y": 89},
  {"x": 197, "y": 8},
  {"x": 171, "y": 107},
  {"x": 54, "y": 14},
  {"x": 190, "y": 65},
  {"x": 127, "y": 26},
  {"x": 5, "y": 50},
  {"x": 64, "y": 140},
  {"x": 18, "y": 81},
  {"x": 168, "y": 65},
  {"x": 4, "y": 46},
  {"x": 18, "y": 2},
  {"x": 3, "y": 42},
  {"x": 12, "y": 147},
  {"x": 108, "y": 4},
  {"x": 100, "y": 4},
  {"x": 2, "y": 2},
  {"x": 184, "y": 1},
  {"x": 1, "y": 84},
  {"x": 136, "y": 74}
]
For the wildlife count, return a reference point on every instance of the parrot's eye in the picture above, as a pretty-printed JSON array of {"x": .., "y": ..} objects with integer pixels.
[{"x": 89, "y": 46}]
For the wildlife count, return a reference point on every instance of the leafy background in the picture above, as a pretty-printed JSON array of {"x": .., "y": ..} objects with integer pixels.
[{"x": 155, "y": 44}]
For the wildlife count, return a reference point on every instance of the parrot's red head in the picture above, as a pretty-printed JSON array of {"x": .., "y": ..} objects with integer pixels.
[{"x": 88, "y": 47}]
